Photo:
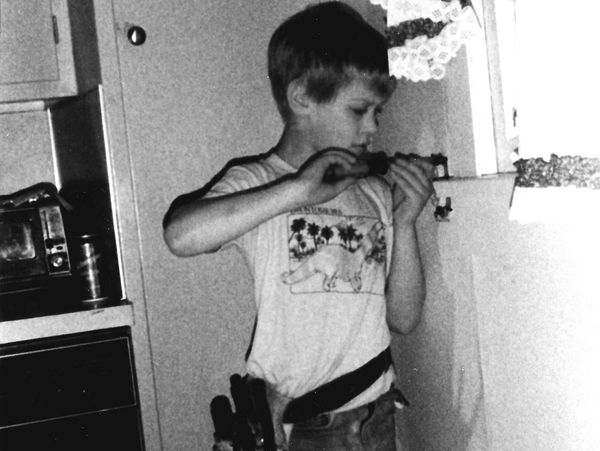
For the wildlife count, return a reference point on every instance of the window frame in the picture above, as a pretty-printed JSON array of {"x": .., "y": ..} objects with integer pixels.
[{"x": 489, "y": 81}]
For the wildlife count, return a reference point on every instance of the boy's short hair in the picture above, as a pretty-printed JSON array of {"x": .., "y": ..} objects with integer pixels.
[{"x": 326, "y": 45}]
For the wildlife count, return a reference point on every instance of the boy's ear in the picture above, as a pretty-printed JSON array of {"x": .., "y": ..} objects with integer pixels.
[{"x": 297, "y": 98}]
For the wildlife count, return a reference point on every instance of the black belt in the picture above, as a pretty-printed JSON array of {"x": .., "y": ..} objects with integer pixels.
[{"x": 336, "y": 393}]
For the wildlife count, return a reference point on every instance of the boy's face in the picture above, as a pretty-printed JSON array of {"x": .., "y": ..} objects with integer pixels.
[{"x": 349, "y": 121}]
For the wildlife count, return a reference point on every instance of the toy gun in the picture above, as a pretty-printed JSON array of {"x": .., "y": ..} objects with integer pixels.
[
  {"x": 250, "y": 427},
  {"x": 378, "y": 163}
]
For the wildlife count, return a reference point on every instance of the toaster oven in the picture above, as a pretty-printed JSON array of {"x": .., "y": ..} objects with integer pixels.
[{"x": 33, "y": 245}]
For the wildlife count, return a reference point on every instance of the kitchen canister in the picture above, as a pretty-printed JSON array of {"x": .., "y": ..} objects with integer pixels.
[{"x": 90, "y": 269}]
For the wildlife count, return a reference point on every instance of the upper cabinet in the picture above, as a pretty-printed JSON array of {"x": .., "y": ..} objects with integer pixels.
[{"x": 36, "y": 54}]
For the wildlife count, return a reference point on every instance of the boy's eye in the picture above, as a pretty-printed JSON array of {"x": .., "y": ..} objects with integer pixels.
[{"x": 359, "y": 111}]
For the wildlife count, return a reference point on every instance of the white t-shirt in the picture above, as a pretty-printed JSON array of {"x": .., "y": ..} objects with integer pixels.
[{"x": 319, "y": 283}]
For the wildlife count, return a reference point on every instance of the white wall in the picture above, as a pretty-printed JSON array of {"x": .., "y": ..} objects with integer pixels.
[{"x": 25, "y": 150}]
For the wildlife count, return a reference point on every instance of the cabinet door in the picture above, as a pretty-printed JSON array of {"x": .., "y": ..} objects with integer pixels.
[
  {"x": 65, "y": 379},
  {"x": 36, "y": 57},
  {"x": 74, "y": 392}
]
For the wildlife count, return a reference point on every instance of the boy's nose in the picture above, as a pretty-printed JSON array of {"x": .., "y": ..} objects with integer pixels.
[{"x": 370, "y": 124}]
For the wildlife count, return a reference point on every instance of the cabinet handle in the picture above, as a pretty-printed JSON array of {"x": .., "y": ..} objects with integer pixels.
[{"x": 136, "y": 35}]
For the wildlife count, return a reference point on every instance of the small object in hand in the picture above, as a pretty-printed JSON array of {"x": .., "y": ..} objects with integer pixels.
[
  {"x": 370, "y": 163},
  {"x": 378, "y": 163}
]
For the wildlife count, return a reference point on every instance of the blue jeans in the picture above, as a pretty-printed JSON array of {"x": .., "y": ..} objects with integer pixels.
[{"x": 366, "y": 428}]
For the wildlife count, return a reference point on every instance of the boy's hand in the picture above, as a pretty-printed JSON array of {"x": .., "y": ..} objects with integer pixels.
[
  {"x": 313, "y": 187},
  {"x": 412, "y": 188}
]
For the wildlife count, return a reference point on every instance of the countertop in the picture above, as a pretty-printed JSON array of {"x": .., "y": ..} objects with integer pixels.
[{"x": 93, "y": 318}]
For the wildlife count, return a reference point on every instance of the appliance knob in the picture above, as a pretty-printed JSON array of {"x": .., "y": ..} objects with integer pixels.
[{"x": 57, "y": 260}]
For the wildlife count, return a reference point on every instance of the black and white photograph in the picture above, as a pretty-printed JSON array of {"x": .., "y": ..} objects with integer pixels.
[{"x": 299, "y": 225}]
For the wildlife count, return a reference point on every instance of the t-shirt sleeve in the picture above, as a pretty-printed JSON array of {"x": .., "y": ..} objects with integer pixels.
[{"x": 237, "y": 179}]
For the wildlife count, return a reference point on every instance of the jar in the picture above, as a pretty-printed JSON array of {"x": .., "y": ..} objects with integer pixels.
[{"x": 90, "y": 269}]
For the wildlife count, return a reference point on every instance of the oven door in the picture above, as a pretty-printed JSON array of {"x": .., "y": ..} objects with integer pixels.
[{"x": 22, "y": 250}]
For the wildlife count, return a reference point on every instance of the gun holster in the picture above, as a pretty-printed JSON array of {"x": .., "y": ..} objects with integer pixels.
[{"x": 250, "y": 427}]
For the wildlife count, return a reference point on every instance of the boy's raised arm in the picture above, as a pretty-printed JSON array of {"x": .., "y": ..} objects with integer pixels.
[
  {"x": 205, "y": 224},
  {"x": 406, "y": 282}
]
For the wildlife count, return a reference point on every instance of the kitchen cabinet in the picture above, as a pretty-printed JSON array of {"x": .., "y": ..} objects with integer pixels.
[
  {"x": 36, "y": 55},
  {"x": 74, "y": 405},
  {"x": 72, "y": 392}
]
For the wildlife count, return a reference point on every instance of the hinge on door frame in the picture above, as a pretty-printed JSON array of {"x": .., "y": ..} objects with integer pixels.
[{"x": 55, "y": 29}]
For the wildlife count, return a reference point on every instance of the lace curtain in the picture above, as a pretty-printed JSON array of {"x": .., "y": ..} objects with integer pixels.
[{"x": 424, "y": 35}]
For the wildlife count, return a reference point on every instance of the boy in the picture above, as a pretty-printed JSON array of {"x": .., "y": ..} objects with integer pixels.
[{"x": 335, "y": 260}]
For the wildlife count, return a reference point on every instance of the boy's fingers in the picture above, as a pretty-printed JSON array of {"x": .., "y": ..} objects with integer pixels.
[
  {"x": 326, "y": 167},
  {"x": 339, "y": 156},
  {"x": 410, "y": 185},
  {"x": 418, "y": 166},
  {"x": 339, "y": 150},
  {"x": 415, "y": 177},
  {"x": 331, "y": 156}
]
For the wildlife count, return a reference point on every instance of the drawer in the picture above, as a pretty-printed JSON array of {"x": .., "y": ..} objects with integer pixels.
[
  {"x": 65, "y": 377},
  {"x": 102, "y": 431}
]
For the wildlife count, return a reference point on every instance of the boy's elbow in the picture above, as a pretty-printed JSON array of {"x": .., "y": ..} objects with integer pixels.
[
  {"x": 174, "y": 242},
  {"x": 405, "y": 319},
  {"x": 404, "y": 326},
  {"x": 184, "y": 246},
  {"x": 177, "y": 244}
]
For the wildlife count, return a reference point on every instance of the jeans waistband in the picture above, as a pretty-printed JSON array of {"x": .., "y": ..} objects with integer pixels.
[{"x": 327, "y": 418}]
